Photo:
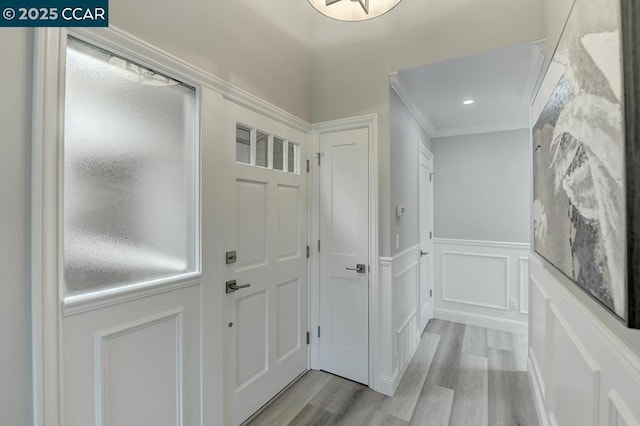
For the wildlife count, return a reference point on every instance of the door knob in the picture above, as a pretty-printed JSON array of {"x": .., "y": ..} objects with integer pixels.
[
  {"x": 360, "y": 268},
  {"x": 231, "y": 286},
  {"x": 423, "y": 253}
]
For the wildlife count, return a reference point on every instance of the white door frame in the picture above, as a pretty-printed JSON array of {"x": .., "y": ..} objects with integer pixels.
[{"x": 369, "y": 122}]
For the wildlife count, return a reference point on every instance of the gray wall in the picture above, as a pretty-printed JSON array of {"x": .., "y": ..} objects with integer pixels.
[
  {"x": 481, "y": 186},
  {"x": 15, "y": 309},
  {"x": 405, "y": 133}
]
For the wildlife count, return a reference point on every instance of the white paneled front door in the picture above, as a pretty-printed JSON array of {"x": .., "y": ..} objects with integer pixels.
[
  {"x": 344, "y": 254},
  {"x": 425, "y": 290},
  {"x": 266, "y": 314}
]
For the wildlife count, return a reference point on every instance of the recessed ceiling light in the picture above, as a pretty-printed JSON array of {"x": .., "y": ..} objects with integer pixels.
[{"x": 468, "y": 102}]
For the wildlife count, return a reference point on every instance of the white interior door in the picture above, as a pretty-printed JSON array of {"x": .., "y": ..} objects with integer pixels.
[
  {"x": 266, "y": 322},
  {"x": 425, "y": 297},
  {"x": 344, "y": 253}
]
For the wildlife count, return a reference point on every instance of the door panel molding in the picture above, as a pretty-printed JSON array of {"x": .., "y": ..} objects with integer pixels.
[{"x": 369, "y": 122}]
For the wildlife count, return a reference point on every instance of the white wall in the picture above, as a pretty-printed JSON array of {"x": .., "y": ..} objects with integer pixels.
[
  {"x": 261, "y": 47},
  {"x": 405, "y": 133},
  {"x": 349, "y": 69},
  {"x": 481, "y": 186},
  {"x": 15, "y": 309}
]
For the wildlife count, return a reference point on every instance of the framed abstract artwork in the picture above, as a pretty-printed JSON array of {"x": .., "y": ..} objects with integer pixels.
[{"x": 586, "y": 156}]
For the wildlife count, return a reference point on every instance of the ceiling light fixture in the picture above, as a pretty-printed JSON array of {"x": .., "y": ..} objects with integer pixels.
[
  {"x": 353, "y": 10},
  {"x": 469, "y": 102}
]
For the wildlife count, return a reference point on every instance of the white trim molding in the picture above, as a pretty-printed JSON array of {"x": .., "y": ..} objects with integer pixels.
[
  {"x": 480, "y": 282},
  {"x": 46, "y": 291},
  {"x": 399, "y": 88},
  {"x": 369, "y": 122}
]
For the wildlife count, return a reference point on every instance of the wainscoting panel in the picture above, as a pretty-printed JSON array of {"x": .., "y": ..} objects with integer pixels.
[
  {"x": 575, "y": 390},
  {"x": 481, "y": 283},
  {"x": 399, "y": 335},
  {"x": 135, "y": 363},
  {"x": 464, "y": 275},
  {"x": 139, "y": 372},
  {"x": 581, "y": 372}
]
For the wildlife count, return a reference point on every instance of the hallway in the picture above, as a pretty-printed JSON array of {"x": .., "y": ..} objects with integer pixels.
[{"x": 461, "y": 375}]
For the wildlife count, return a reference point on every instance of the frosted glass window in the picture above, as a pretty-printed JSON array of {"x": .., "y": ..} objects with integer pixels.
[
  {"x": 278, "y": 154},
  {"x": 292, "y": 159},
  {"x": 262, "y": 149},
  {"x": 130, "y": 173},
  {"x": 243, "y": 144}
]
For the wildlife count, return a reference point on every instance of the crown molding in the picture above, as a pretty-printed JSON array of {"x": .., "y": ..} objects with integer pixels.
[
  {"x": 400, "y": 90},
  {"x": 474, "y": 130},
  {"x": 537, "y": 72}
]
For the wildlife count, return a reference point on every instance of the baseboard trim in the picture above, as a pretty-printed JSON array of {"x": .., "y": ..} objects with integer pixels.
[
  {"x": 486, "y": 321},
  {"x": 543, "y": 418},
  {"x": 384, "y": 385}
]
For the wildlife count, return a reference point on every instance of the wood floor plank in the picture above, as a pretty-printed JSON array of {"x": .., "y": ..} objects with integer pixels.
[
  {"x": 381, "y": 418},
  {"x": 337, "y": 395},
  {"x": 404, "y": 401},
  {"x": 310, "y": 416},
  {"x": 520, "y": 349},
  {"x": 286, "y": 407},
  {"x": 448, "y": 382},
  {"x": 445, "y": 366},
  {"x": 362, "y": 410},
  {"x": 434, "y": 406},
  {"x": 470, "y": 401},
  {"x": 510, "y": 397},
  {"x": 475, "y": 341},
  {"x": 436, "y": 326},
  {"x": 499, "y": 340}
]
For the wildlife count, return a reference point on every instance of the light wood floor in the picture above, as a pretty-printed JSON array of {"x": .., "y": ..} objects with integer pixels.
[{"x": 460, "y": 376}]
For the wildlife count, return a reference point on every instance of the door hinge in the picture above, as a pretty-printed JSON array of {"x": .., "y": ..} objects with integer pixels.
[
  {"x": 318, "y": 332},
  {"x": 308, "y": 337},
  {"x": 430, "y": 292},
  {"x": 319, "y": 154},
  {"x": 308, "y": 166},
  {"x": 308, "y": 252},
  {"x": 318, "y": 246},
  {"x": 431, "y": 235},
  {"x": 430, "y": 177}
]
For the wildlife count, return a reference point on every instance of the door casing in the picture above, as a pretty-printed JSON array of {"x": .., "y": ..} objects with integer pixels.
[{"x": 370, "y": 122}]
